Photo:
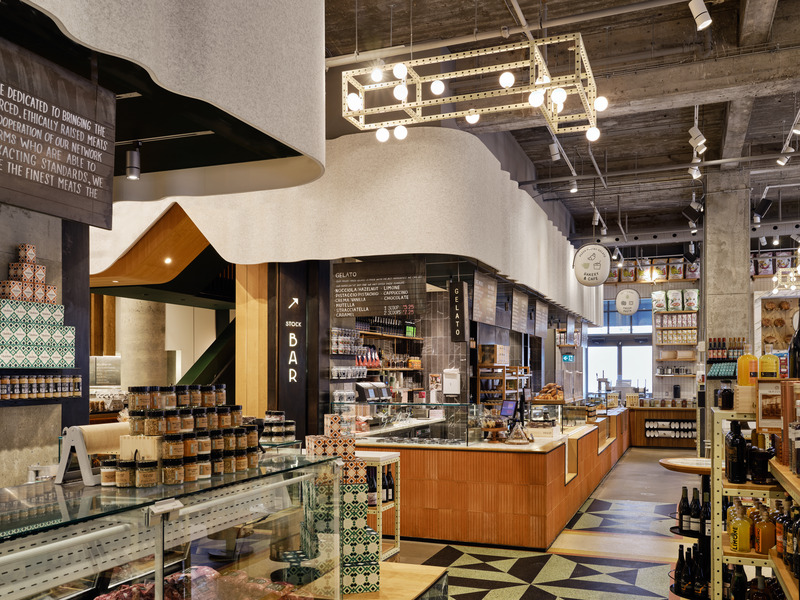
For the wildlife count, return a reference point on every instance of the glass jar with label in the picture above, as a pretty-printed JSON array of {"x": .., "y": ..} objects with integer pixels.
[
  {"x": 288, "y": 431},
  {"x": 217, "y": 443},
  {"x": 156, "y": 400},
  {"x": 48, "y": 388},
  {"x": 274, "y": 416},
  {"x": 228, "y": 462},
  {"x": 14, "y": 383},
  {"x": 5, "y": 387},
  {"x": 252, "y": 457},
  {"x": 208, "y": 396},
  {"x": 77, "y": 386},
  {"x": 187, "y": 420},
  {"x": 168, "y": 396},
  {"x": 224, "y": 414},
  {"x": 200, "y": 418},
  {"x": 173, "y": 420},
  {"x": 108, "y": 473},
  {"x": 236, "y": 416},
  {"x": 276, "y": 432},
  {"x": 204, "y": 465},
  {"x": 155, "y": 423},
  {"x": 252, "y": 435},
  {"x": 190, "y": 470},
  {"x": 241, "y": 459},
  {"x": 241, "y": 438},
  {"x": 182, "y": 395},
  {"x": 229, "y": 439},
  {"x": 125, "y": 475},
  {"x": 57, "y": 392},
  {"x": 140, "y": 398},
  {"x": 213, "y": 418},
  {"x": 136, "y": 419},
  {"x": 189, "y": 444},
  {"x": 221, "y": 394},
  {"x": 147, "y": 474},
  {"x": 203, "y": 442},
  {"x": 172, "y": 471},
  {"x": 172, "y": 446},
  {"x": 41, "y": 386},
  {"x": 217, "y": 466},
  {"x": 195, "y": 396}
]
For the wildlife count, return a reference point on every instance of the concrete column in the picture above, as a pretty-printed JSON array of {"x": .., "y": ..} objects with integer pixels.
[{"x": 141, "y": 342}]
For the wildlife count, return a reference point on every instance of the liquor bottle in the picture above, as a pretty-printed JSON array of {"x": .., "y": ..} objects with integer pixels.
[
  {"x": 740, "y": 533},
  {"x": 736, "y": 454},
  {"x": 747, "y": 368},
  {"x": 695, "y": 509},
  {"x": 739, "y": 584},
  {"x": 679, "y": 570},
  {"x": 731, "y": 514},
  {"x": 687, "y": 576},
  {"x": 788, "y": 538},
  {"x": 795, "y": 564},
  {"x": 727, "y": 578},
  {"x": 372, "y": 487},
  {"x": 385, "y": 484},
  {"x": 765, "y": 534},
  {"x": 684, "y": 513},
  {"x": 760, "y": 593},
  {"x": 794, "y": 355},
  {"x": 780, "y": 522},
  {"x": 700, "y": 579},
  {"x": 768, "y": 366},
  {"x": 723, "y": 351},
  {"x": 390, "y": 480},
  {"x": 705, "y": 530}
]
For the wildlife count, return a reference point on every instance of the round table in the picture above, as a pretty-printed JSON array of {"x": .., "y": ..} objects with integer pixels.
[{"x": 693, "y": 466}]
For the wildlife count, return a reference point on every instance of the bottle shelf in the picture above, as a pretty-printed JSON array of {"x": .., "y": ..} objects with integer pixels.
[
  {"x": 391, "y": 369},
  {"x": 788, "y": 480},
  {"x": 752, "y": 490},
  {"x": 389, "y": 336},
  {"x": 784, "y": 576},
  {"x": 686, "y": 344},
  {"x": 743, "y": 558},
  {"x": 373, "y": 510}
]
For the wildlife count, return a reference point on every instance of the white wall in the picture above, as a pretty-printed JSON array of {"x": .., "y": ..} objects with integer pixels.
[{"x": 190, "y": 331}]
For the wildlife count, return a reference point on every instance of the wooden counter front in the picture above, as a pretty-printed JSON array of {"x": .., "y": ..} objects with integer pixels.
[
  {"x": 509, "y": 498},
  {"x": 638, "y": 415}
]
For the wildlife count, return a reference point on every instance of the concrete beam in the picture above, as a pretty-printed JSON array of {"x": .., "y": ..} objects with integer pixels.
[
  {"x": 755, "y": 23},
  {"x": 737, "y": 120},
  {"x": 721, "y": 79}
]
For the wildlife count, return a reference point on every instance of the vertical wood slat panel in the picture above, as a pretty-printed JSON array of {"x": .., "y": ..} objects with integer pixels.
[
  {"x": 252, "y": 337},
  {"x": 109, "y": 325},
  {"x": 96, "y": 328}
]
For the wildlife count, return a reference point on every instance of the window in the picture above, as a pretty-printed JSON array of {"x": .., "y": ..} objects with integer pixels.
[
  {"x": 637, "y": 365},
  {"x": 602, "y": 362},
  {"x": 615, "y": 323}
]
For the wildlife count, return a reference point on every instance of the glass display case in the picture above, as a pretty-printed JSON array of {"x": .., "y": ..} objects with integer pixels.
[{"x": 263, "y": 532}]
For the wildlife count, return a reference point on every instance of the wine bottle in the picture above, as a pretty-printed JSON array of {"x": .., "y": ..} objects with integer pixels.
[
  {"x": 788, "y": 538},
  {"x": 705, "y": 530},
  {"x": 760, "y": 593},
  {"x": 687, "y": 576},
  {"x": 684, "y": 513},
  {"x": 700, "y": 580},
  {"x": 695, "y": 509},
  {"x": 727, "y": 578},
  {"x": 372, "y": 487},
  {"x": 385, "y": 485},
  {"x": 796, "y": 542},
  {"x": 390, "y": 480},
  {"x": 739, "y": 584},
  {"x": 736, "y": 454},
  {"x": 679, "y": 570}
]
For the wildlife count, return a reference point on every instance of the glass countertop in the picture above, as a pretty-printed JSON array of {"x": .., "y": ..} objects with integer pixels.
[
  {"x": 35, "y": 507},
  {"x": 409, "y": 404}
]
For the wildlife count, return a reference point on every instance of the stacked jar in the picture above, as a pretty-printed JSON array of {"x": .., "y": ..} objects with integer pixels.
[
  {"x": 33, "y": 386},
  {"x": 277, "y": 429}
]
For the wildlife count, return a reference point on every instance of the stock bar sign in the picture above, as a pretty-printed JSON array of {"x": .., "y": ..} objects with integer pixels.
[
  {"x": 56, "y": 139},
  {"x": 377, "y": 289}
]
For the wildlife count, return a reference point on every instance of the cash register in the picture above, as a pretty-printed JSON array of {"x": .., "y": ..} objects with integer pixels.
[{"x": 373, "y": 391}]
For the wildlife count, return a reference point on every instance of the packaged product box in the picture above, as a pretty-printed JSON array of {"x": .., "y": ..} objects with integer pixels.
[
  {"x": 12, "y": 332},
  {"x": 6, "y": 357},
  {"x": 39, "y": 274},
  {"x": 674, "y": 300},
  {"x": 19, "y": 271},
  {"x": 628, "y": 272},
  {"x": 659, "y": 299},
  {"x": 354, "y": 471},
  {"x": 38, "y": 292},
  {"x": 691, "y": 299},
  {"x": 659, "y": 269},
  {"x": 27, "y": 253},
  {"x": 27, "y": 292},
  {"x": 613, "y": 275},
  {"x": 693, "y": 270},
  {"x": 675, "y": 268},
  {"x": 764, "y": 264},
  {"x": 50, "y": 294},
  {"x": 643, "y": 270},
  {"x": 783, "y": 260},
  {"x": 11, "y": 290},
  {"x": 333, "y": 425}
]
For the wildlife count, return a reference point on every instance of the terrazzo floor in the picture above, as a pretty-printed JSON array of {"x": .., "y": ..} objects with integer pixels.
[{"x": 612, "y": 549}]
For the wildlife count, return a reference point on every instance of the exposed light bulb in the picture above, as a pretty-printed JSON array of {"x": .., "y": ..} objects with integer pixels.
[
  {"x": 775, "y": 278},
  {"x": 376, "y": 75},
  {"x": 401, "y": 92},
  {"x": 774, "y": 290},
  {"x": 620, "y": 263},
  {"x": 354, "y": 101},
  {"x": 593, "y": 134},
  {"x": 559, "y": 107},
  {"x": 167, "y": 261},
  {"x": 507, "y": 79},
  {"x": 382, "y": 134},
  {"x": 559, "y": 95},
  {"x": 573, "y": 187},
  {"x": 400, "y": 132},
  {"x": 473, "y": 118},
  {"x": 600, "y": 103},
  {"x": 536, "y": 98},
  {"x": 437, "y": 87},
  {"x": 400, "y": 71},
  {"x": 542, "y": 79},
  {"x": 776, "y": 241}
]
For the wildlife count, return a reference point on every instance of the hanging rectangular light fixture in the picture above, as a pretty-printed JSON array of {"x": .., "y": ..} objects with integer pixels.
[{"x": 516, "y": 77}]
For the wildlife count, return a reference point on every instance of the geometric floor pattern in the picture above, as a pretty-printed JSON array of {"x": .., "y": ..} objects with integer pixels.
[
  {"x": 498, "y": 574},
  {"x": 624, "y": 516}
]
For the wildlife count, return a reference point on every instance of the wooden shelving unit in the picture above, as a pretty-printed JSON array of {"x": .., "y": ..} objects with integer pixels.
[{"x": 504, "y": 375}]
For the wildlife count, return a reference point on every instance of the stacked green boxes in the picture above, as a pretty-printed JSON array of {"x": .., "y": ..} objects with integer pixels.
[{"x": 33, "y": 335}]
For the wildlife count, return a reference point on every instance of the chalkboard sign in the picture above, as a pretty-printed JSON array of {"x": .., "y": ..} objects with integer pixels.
[
  {"x": 541, "y": 319},
  {"x": 56, "y": 139},
  {"x": 519, "y": 312},
  {"x": 377, "y": 289},
  {"x": 105, "y": 370},
  {"x": 484, "y": 299}
]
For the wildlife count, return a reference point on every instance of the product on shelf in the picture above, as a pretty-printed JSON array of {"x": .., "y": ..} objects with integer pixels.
[
  {"x": 551, "y": 391},
  {"x": 736, "y": 454}
]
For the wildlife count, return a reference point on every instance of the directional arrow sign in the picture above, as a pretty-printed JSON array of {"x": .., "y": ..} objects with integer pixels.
[{"x": 295, "y": 301}]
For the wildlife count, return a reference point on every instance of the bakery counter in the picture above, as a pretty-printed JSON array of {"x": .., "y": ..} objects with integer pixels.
[{"x": 500, "y": 494}]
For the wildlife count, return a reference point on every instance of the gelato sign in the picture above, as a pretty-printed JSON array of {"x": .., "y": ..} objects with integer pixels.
[
  {"x": 592, "y": 264},
  {"x": 627, "y": 302}
]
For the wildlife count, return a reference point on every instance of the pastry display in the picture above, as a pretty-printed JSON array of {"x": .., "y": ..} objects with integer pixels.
[
  {"x": 776, "y": 323},
  {"x": 551, "y": 391}
]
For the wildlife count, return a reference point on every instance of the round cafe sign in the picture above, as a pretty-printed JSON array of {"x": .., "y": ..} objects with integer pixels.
[
  {"x": 591, "y": 264},
  {"x": 627, "y": 302}
]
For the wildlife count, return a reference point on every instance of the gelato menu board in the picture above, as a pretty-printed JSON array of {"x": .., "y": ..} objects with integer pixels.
[
  {"x": 519, "y": 312},
  {"x": 377, "y": 289},
  {"x": 484, "y": 299}
]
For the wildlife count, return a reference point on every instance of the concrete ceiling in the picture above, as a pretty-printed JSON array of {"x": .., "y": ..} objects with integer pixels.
[{"x": 743, "y": 73}]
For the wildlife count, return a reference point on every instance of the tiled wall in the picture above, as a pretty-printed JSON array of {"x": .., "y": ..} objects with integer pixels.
[{"x": 438, "y": 352}]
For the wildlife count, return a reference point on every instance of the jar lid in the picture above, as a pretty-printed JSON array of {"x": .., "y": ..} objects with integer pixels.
[
  {"x": 166, "y": 388},
  {"x": 249, "y": 428},
  {"x": 211, "y": 409},
  {"x": 147, "y": 464},
  {"x": 206, "y": 388},
  {"x": 126, "y": 464},
  {"x": 172, "y": 462},
  {"x": 155, "y": 413},
  {"x": 203, "y": 433},
  {"x": 194, "y": 387},
  {"x": 189, "y": 459},
  {"x": 228, "y": 431},
  {"x": 109, "y": 463},
  {"x": 137, "y": 413},
  {"x": 288, "y": 423},
  {"x": 215, "y": 433},
  {"x": 171, "y": 412},
  {"x": 173, "y": 437},
  {"x": 189, "y": 435},
  {"x": 204, "y": 456},
  {"x": 239, "y": 431},
  {"x": 185, "y": 411},
  {"x": 227, "y": 453},
  {"x": 221, "y": 386},
  {"x": 181, "y": 388},
  {"x": 240, "y": 452},
  {"x": 199, "y": 411},
  {"x": 223, "y": 410},
  {"x": 236, "y": 407}
]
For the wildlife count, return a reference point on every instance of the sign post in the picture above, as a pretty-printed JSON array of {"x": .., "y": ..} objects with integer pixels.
[{"x": 459, "y": 324}]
